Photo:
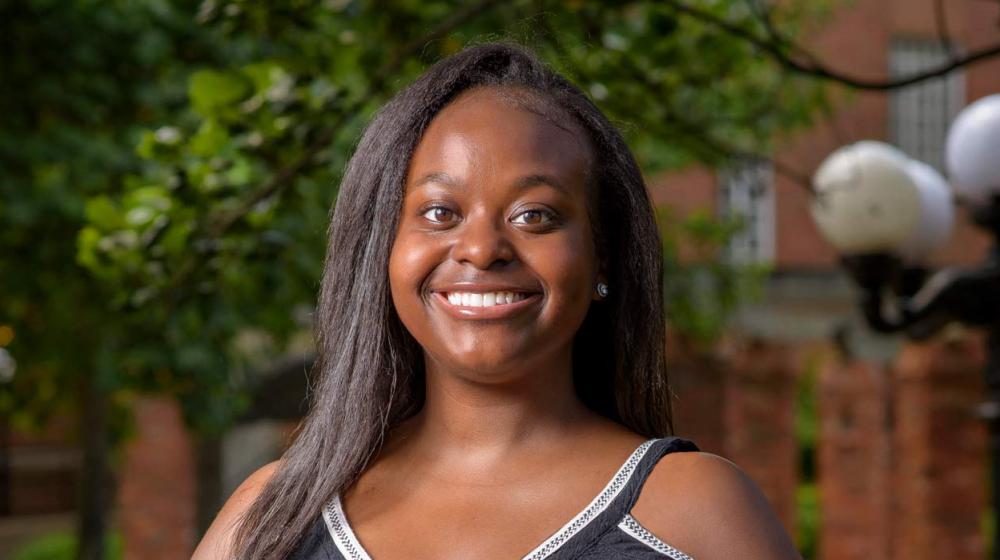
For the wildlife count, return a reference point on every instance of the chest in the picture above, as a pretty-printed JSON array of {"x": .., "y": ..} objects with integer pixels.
[
  {"x": 463, "y": 521},
  {"x": 549, "y": 509}
]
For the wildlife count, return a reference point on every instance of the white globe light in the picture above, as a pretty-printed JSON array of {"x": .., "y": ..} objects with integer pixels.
[
  {"x": 937, "y": 213},
  {"x": 972, "y": 151},
  {"x": 865, "y": 200}
]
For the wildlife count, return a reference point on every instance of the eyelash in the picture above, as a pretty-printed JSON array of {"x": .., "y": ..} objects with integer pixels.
[{"x": 548, "y": 213}]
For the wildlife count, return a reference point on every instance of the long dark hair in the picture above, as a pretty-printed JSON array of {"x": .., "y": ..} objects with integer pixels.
[{"x": 369, "y": 374}]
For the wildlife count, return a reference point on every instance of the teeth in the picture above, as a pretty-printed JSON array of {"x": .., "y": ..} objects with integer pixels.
[{"x": 489, "y": 299}]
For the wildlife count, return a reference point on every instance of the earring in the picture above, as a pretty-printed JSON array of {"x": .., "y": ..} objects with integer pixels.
[{"x": 602, "y": 289}]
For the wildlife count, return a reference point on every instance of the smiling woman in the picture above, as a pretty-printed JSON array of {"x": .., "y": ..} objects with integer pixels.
[
  {"x": 491, "y": 380},
  {"x": 512, "y": 188}
]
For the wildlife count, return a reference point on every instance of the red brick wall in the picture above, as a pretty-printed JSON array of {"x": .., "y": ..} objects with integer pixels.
[
  {"x": 902, "y": 456},
  {"x": 156, "y": 509},
  {"x": 737, "y": 401},
  {"x": 697, "y": 382},
  {"x": 940, "y": 450},
  {"x": 760, "y": 419},
  {"x": 44, "y": 468},
  {"x": 854, "y": 460}
]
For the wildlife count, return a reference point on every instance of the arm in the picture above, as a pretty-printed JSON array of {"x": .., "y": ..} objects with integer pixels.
[
  {"x": 218, "y": 540},
  {"x": 707, "y": 507}
]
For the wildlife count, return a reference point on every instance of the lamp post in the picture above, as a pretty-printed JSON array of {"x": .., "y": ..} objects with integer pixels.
[{"x": 885, "y": 212}]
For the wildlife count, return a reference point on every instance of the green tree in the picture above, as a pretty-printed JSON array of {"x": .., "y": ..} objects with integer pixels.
[{"x": 79, "y": 80}]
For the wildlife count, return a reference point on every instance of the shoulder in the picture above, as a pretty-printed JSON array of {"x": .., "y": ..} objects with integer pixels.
[
  {"x": 706, "y": 506},
  {"x": 218, "y": 539}
]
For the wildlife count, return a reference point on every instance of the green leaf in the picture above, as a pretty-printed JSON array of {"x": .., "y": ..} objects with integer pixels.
[
  {"x": 147, "y": 145},
  {"x": 240, "y": 173},
  {"x": 264, "y": 74},
  {"x": 153, "y": 197},
  {"x": 175, "y": 240},
  {"x": 210, "y": 139},
  {"x": 212, "y": 90},
  {"x": 102, "y": 212},
  {"x": 86, "y": 248}
]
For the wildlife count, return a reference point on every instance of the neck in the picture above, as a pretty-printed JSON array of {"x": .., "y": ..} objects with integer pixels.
[{"x": 465, "y": 417}]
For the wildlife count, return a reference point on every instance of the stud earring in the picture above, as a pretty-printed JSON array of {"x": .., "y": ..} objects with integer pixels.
[{"x": 602, "y": 289}]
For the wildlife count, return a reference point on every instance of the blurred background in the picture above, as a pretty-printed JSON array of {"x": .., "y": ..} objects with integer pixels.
[{"x": 166, "y": 173}]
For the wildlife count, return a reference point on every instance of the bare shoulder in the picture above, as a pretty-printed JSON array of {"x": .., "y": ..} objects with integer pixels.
[
  {"x": 707, "y": 507},
  {"x": 217, "y": 542}
]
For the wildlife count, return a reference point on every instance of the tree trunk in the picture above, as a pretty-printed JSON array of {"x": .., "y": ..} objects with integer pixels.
[
  {"x": 5, "y": 475},
  {"x": 209, "y": 481},
  {"x": 94, "y": 477}
]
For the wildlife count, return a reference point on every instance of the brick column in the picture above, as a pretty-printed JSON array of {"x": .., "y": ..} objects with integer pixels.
[
  {"x": 941, "y": 450},
  {"x": 156, "y": 510},
  {"x": 696, "y": 381},
  {"x": 759, "y": 419},
  {"x": 854, "y": 459}
]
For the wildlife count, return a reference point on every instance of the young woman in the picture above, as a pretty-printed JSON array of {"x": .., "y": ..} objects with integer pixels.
[{"x": 491, "y": 379}]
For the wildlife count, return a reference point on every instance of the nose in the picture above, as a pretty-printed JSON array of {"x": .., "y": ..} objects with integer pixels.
[{"x": 482, "y": 241}]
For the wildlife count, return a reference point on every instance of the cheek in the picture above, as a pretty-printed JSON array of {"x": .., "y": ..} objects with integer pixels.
[
  {"x": 568, "y": 266},
  {"x": 409, "y": 265}
]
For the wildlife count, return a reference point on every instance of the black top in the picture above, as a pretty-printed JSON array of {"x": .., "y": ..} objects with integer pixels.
[{"x": 604, "y": 529}]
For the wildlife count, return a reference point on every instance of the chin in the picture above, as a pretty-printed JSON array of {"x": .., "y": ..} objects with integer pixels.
[
  {"x": 487, "y": 375},
  {"x": 480, "y": 365},
  {"x": 484, "y": 366}
]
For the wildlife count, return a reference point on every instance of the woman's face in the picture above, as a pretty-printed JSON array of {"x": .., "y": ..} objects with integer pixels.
[{"x": 493, "y": 266}]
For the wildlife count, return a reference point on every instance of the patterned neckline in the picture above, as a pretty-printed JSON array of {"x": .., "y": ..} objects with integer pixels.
[{"x": 350, "y": 547}]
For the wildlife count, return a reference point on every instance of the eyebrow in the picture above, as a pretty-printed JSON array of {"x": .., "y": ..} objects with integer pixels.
[{"x": 519, "y": 184}]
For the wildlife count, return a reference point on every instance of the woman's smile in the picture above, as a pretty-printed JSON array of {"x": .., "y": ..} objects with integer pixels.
[{"x": 477, "y": 305}]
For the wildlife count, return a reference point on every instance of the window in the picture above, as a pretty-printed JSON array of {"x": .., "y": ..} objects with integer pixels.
[
  {"x": 746, "y": 190},
  {"x": 919, "y": 114}
]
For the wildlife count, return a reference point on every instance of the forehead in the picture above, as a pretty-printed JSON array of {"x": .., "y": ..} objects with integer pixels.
[{"x": 488, "y": 134}]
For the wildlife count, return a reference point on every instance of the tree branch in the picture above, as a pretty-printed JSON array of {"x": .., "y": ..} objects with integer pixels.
[
  {"x": 679, "y": 124},
  {"x": 941, "y": 23},
  {"x": 817, "y": 69},
  {"x": 700, "y": 134},
  {"x": 765, "y": 14}
]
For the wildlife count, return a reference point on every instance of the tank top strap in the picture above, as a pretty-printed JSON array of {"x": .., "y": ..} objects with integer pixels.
[
  {"x": 630, "y": 493},
  {"x": 611, "y": 506}
]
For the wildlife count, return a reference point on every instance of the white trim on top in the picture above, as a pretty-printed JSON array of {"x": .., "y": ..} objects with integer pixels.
[
  {"x": 596, "y": 506},
  {"x": 632, "y": 526},
  {"x": 345, "y": 539}
]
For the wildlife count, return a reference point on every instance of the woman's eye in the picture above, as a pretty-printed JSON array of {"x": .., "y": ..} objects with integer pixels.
[
  {"x": 438, "y": 214},
  {"x": 534, "y": 217}
]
